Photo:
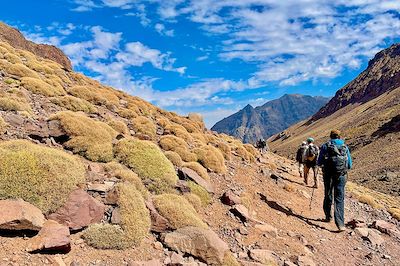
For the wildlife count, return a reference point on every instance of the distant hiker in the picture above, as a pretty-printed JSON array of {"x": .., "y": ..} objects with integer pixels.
[
  {"x": 262, "y": 145},
  {"x": 335, "y": 160},
  {"x": 300, "y": 157},
  {"x": 310, "y": 161}
]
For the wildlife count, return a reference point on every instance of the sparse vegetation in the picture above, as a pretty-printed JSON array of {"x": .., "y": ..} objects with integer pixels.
[
  {"x": 368, "y": 199},
  {"x": 20, "y": 70},
  {"x": 229, "y": 260},
  {"x": 179, "y": 131},
  {"x": 124, "y": 174},
  {"x": 251, "y": 149},
  {"x": 127, "y": 113},
  {"x": 174, "y": 158},
  {"x": 145, "y": 126},
  {"x": 148, "y": 161},
  {"x": 90, "y": 138},
  {"x": 9, "y": 104},
  {"x": 244, "y": 154},
  {"x": 211, "y": 158},
  {"x": 178, "y": 211},
  {"x": 395, "y": 212},
  {"x": 39, "y": 175},
  {"x": 95, "y": 95},
  {"x": 178, "y": 145},
  {"x": 198, "y": 168},
  {"x": 105, "y": 236},
  {"x": 74, "y": 104},
  {"x": 289, "y": 187},
  {"x": 3, "y": 125},
  {"x": 194, "y": 200},
  {"x": 225, "y": 149},
  {"x": 119, "y": 126},
  {"x": 38, "y": 86},
  {"x": 200, "y": 192}
]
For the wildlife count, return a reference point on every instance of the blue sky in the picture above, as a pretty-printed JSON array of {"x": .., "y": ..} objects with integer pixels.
[{"x": 213, "y": 57}]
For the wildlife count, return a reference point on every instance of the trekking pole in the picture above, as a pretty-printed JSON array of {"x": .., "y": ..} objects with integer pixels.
[{"x": 312, "y": 194}]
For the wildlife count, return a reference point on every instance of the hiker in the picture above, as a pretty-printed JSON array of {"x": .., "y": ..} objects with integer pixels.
[
  {"x": 335, "y": 160},
  {"x": 310, "y": 161},
  {"x": 262, "y": 145},
  {"x": 300, "y": 156}
]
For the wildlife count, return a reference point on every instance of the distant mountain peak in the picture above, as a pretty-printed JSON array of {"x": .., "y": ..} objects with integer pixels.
[{"x": 250, "y": 124}]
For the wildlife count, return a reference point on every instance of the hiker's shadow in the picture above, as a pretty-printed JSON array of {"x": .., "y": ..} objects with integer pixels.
[
  {"x": 276, "y": 206},
  {"x": 295, "y": 182}
]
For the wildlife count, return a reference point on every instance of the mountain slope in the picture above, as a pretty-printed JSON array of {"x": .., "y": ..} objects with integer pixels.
[
  {"x": 251, "y": 124},
  {"x": 367, "y": 111}
]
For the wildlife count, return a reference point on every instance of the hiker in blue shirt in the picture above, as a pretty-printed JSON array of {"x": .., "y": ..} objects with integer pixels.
[{"x": 335, "y": 160}]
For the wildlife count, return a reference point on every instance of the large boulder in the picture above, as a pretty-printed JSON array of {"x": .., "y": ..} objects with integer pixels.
[
  {"x": 79, "y": 211},
  {"x": 198, "y": 242},
  {"x": 187, "y": 173},
  {"x": 229, "y": 198},
  {"x": 52, "y": 237},
  {"x": 20, "y": 215}
]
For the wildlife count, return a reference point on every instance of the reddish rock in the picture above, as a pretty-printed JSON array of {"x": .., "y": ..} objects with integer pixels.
[
  {"x": 112, "y": 197},
  {"x": 116, "y": 216},
  {"x": 52, "y": 237},
  {"x": 265, "y": 256},
  {"x": 230, "y": 199},
  {"x": 198, "y": 242},
  {"x": 386, "y": 228},
  {"x": 187, "y": 173},
  {"x": 20, "y": 215},
  {"x": 55, "y": 128},
  {"x": 241, "y": 212},
  {"x": 158, "y": 223},
  {"x": 304, "y": 260},
  {"x": 79, "y": 211}
]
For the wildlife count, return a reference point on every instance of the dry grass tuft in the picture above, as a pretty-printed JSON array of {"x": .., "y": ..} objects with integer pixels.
[
  {"x": 178, "y": 145},
  {"x": 37, "y": 174},
  {"x": 368, "y": 199},
  {"x": 225, "y": 149},
  {"x": 93, "y": 139},
  {"x": 198, "y": 168},
  {"x": 194, "y": 200},
  {"x": 10, "y": 104},
  {"x": 251, "y": 149},
  {"x": 119, "y": 126},
  {"x": 211, "y": 158},
  {"x": 127, "y": 113},
  {"x": 20, "y": 70},
  {"x": 289, "y": 187},
  {"x": 244, "y": 154},
  {"x": 200, "y": 192},
  {"x": 95, "y": 95},
  {"x": 230, "y": 260},
  {"x": 144, "y": 125},
  {"x": 74, "y": 104},
  {"x": 395, "y": 212},
  {"x": 135, "y": 223},
  {"x": 3, "y": 126},
  {"x": 38, "y": 86},
  {"x": 174, "y": 158},
  {"x": 178, "y": 211},
  {"x": 178, "y": 131},
  {"x": 148, "y": 161}
]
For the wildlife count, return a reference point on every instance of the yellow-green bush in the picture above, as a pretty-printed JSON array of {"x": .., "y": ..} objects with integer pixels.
[
  {"x": 148, "y": 161},
  {"x": 12, "y": 58},
  {"x": 144, "y": 125},
  {"x": 395, "y": 212},
  {"x": 198, "y": 168},
  {"x": 200, "y": 192},
  {"x": 38, "y": 86},
  {"x": 178, "y": 145},
  {"x": 74, "y": 104},
  {"x": 135, "y": 223},
  {"x": 163, "y": 122},
  {"x": 127, "y": 113},
  {"x": 93, "y": 94},
  {"x": 225, "y": 149},
  {"x": 37, "y": 174},
  {"x": 244, "y": 154},
  {"x": 230, "y": 260},
  {"x": 370, "y": 200},
  {"x": 211, "y": 158},
  {"x": 33, "y": 64},
  {"x": 119, "y": 126},
  {"x": 174, "y": 158},
  {"x": 119, "y": 171},
  {"x": 179, "y": 131},
  {"x": 21, "y": 71},
  {"x": 3, "y": 125},
  {"x": 93, "y": 139},
  {"x": 10, "y": 104},
  {"x": 178, "y": 211},
  {"x": 106, "y": 236},
  {"x": 194, "y": 200}
]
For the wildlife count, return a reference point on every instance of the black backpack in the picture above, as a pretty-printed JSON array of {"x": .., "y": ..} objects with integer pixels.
[
  {"x": 312, "y": 153},
  {"x": 336, "y": 158}
]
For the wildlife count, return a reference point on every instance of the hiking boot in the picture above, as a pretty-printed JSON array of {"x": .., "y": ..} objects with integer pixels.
[
  {"x": 327, "y": 220},
  {"x": 315, "y": 186},
  {"x": 341, "y": 228}
]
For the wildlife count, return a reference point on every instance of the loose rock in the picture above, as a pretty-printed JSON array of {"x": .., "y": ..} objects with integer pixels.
[
  {"x": 20, "y": 215},
  {"x": 52, "y": 237},
  {"x": 230, "y": 199}
]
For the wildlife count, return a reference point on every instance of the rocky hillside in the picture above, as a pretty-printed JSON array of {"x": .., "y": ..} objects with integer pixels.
[
  {"x": 250, "y": 124},
  {"x": 367, "y": 111},
  {"x": 92, "y": 176}
]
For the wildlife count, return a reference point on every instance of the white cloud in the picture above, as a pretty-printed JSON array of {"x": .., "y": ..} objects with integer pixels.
[
  {"x": 160, "y": 28},
  {"x": 84, "y": 5}
]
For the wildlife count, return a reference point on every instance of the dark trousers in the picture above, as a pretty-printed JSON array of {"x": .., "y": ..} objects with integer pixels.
[{"x": 334, "y": 190}]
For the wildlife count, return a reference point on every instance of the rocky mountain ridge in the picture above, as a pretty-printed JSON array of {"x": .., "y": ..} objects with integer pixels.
[{"x": 251, "y": 124}]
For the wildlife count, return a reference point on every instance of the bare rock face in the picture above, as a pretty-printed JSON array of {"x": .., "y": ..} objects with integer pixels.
[
  {"x": 230, "y": 199},
  {"x": 187, "y": 173},
  {"x": 17, "y": 40},
  {"x": 198, "y": 242},
  {"x": 79, "y": 211},
  {"x": 52, "y": 237},
  {"x": 20, "y": 215}
]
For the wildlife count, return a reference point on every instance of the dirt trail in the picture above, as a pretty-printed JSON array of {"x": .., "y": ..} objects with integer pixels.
[{"x": 299, "y": 229}]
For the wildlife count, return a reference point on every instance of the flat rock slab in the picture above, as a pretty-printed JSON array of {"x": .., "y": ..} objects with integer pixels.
[
  {"x": 229, "y": 198},
  {"x": 241, "y": 212},
  {"x": 187, "y": 173},
  {"x": 52, "y": 237},
  {"x": 79, "y": 211},
  {"x": 386, "y": 228},
  {"x": 20, "y": 215},
  {"x": 267, "y": 257},
  {"x": 198, "y": 242},
  {"x": 267, "y": 229}
]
